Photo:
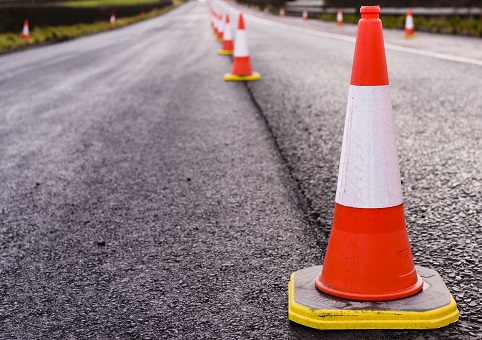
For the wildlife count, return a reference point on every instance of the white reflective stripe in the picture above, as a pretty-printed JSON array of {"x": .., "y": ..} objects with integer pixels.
[
  {"x": 369, "y": 175},
  {"x": 25, "y": 30},
  {"x": 227, "y": 34},
  {"x": 339, "y": 17},
  {"x": 241, "y": 44},
  {"x": 409, "y": 22}
]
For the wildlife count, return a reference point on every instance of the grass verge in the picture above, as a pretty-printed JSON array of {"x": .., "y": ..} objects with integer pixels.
[
  {"x": 44, "y": 35},
  {"x": 435, "y": 24}
]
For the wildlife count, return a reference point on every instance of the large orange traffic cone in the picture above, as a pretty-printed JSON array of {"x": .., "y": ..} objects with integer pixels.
[
  {"x": 228, "y": 45},
  {"x": 220, "y": 28},
  {"x": 241, "y": 63},
  {"x": 409, "y": 28},
  {"x": 112, "y": 19},
  {"x": 305, "y": 14},
  {"x": 368, "y": 279},
  {"x": 368, "y": 238},
  {"x": 282, "y": 12},
  {"x": 25, "y": 30},
  {"x": 339, "y": 17}
]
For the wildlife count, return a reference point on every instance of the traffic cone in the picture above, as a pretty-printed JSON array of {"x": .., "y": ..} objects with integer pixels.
[
  {"x": 228, "y": 45},
  {"x": 409, "y": 29},
  {"x": 142, "y": 14},
  {"x": 220, "y": 28},
  {"x": 339, "y": 17},
  {"x": 215, "y": 23},
  {"x": 305, "y": 14},
  {"x": 241, "y": 63},
  {"x": 368, "y": 261},
  {"x": 282, "y": 12},
  {"x": 25, "y": 30},
  {"x": 112, "y": 19}
]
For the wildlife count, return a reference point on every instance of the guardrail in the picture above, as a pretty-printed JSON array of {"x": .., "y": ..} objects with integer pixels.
[{"x": 317, "y": 6}]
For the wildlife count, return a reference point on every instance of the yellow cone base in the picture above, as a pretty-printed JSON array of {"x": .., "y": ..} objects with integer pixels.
[
  {"x": 234, "y": 77},
  {"x": 434, "y": 307},
  {"x": 409, "y": 36},
  {"x": 225, "y": 52},
  {"x": 219, "y": 40}
]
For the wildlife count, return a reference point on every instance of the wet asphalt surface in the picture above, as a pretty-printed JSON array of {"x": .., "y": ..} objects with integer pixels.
[{"x": 143, "y": 197}]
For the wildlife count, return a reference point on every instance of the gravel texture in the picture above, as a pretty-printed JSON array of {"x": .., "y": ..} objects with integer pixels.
[{"x": 142, "y": 197}]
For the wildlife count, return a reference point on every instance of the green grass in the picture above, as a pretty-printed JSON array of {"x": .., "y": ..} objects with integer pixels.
[
  {"x": 95, "y": 3},
  {"x": 43, "y": 35}
]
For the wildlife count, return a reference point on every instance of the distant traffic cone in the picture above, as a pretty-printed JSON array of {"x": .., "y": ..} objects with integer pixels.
[
  {"x": 215, "y": 24},
  {"x": 241, "y": 63},
  {"x": 368, "y": 261},
  {"x": 305, "y": 14},
  {"x": 25, "y": 30},
  {"x": 142, "y": 14},
  {"x": 409, "y": 29},
  {"x": 228, "y": 45},
  {"x": 282, "y": 12},
  {"x": 220, "y": 28},
  {"x": 266, "y": 11},
  {"x": 339, "y": 17},
  {"x": 112, "y": 19}
]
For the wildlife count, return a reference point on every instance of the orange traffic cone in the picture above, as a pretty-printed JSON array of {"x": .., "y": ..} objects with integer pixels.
[
  {"x": 282, "y": 12},
  {"x": 241, "y": 64},
  {"x": 368, "y": 239},
  {"x": 112, "y": 19},
  {"x": 142, "y": 14},
  {"x": 339, "y": 17},
  {"x": 409, "y": 29},
  {"x": 368, "y": 259},
  {"x": 266, "y": 11},
  {"x": 220, "y": 28},
  {"x": 305, "y": 14},
  {"x": 25, "y": 30},
  {"x": 215, "y": 23},
  {"x": 228, "y": 45}
]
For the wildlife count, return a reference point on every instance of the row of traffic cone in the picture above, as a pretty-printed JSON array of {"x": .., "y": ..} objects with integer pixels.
[
  {"x": 409, "y": 26},
  {"x": 368, "y": 279},
  {"x": 241, "y": 69},
  {"x": 26, "y": 29}
]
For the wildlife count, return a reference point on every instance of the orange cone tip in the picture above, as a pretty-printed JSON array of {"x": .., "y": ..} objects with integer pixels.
[{"x": 242, "y": 70}]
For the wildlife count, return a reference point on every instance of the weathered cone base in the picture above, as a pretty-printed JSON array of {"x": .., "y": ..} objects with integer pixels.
[
  {"x": 433, "y": 307},
  {"x": 234, "y": 77},
  {"x": 225, "y": 52}
]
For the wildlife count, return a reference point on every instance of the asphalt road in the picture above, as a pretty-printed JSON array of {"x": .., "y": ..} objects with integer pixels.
[{"x": 143, "y": 197}]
